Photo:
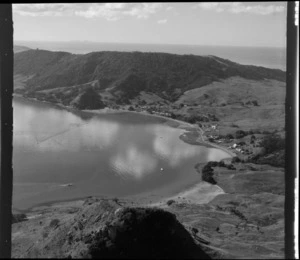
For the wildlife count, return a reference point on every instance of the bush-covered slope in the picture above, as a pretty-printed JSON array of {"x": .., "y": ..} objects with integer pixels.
[{"x": 126, "y": 74}]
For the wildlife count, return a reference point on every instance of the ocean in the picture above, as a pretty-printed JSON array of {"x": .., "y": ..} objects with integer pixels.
[{"x": 269, "y": 57}]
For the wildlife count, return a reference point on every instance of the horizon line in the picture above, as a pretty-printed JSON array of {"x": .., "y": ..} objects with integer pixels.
[{"x": 139, "y": 43}]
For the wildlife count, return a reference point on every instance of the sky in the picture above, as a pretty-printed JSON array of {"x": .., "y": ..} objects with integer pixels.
[{"x": 213, "y": 23}]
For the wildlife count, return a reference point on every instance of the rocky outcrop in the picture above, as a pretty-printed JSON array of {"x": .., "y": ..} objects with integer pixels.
[
  {"x": 145, "y": 233},
  {"x": 100, "y": 228}
]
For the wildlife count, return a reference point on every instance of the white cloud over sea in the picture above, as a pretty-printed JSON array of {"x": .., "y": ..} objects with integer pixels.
[
  {"x": 108, "y": 11},
  {"x": 237, "y": 8},
  {"x": 162, "y": 21}
]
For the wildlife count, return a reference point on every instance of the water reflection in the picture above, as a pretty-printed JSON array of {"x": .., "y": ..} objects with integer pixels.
[
  {"x": 57, "y": 130},
  {"x": 134, "y": 163},
  {"x": 169, "y": 147},
  {"x": 120, "y": 154},
  {"x": 93, "y": 136}
]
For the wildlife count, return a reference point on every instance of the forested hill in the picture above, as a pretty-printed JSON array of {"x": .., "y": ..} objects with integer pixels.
[{"x": 126, "y": 74}]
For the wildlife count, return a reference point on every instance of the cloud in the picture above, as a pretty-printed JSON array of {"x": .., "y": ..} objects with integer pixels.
[
  {"x": 108, "y": 11},
  {"x": 134, "y": 163},
  {"x": 162, "y": 21},
  {"x": 44, "y": 9},
  {"x": 170, "y": 148},
  {"x": 238, "y": 8},
  {"x": 70, "y": 133}
]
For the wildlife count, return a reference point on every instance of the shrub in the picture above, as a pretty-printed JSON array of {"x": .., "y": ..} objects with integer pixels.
[
  {"x": 173, "y": 115},
  {"x": 204, "y": 119},
  {"x": 89, "y": 100},
  {"x": 18, "y": 218},
  {"x": 116, "y": 200},
  {"x": 212, "y": 164},
  {"x": 213, "y": 117},
  {"x": 240, "y": 134},
  {"x": 207, "y": 174},
  {"x": 229, "y": 136},
  {"x": 54, "y": 223},
  {"x": 221, "y": 164},
  {"x": 230, "y": 167},
  {"x": 170, "y": 202},
  {"x": 277, "y": 160},
  {"x": 273, "y": 143},
  {"x": 192, "y": 119},
  {"x": 265, "y": 132},
  {"x": 256, "y": 131},
  {"x": 235, "y": 160},
  {"x": 274, "y": 146}
]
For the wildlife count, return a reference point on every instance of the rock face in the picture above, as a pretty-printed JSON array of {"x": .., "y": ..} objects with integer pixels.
[
  {"x": 145, "y": 233},
  {"x": 103, "y": 228}
]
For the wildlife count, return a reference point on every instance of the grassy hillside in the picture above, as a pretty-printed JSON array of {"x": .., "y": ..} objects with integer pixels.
[{"x": 125, "y": 74}]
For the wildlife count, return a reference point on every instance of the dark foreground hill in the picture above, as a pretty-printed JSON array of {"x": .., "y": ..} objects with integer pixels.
[{"x": 121, "y": 76}]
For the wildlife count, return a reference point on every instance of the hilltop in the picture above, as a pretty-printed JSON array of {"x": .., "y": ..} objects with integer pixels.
[
  {"x": 124, "y": 75},
  {"x": 19, "y": 48}
]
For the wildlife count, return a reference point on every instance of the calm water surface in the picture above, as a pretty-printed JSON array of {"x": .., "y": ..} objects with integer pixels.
[{"x": 111, "y": 154}]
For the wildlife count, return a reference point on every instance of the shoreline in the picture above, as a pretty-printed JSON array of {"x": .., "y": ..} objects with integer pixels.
[
  {"x": 191, "y": 194},
  {"x": 181, "y": 124}
]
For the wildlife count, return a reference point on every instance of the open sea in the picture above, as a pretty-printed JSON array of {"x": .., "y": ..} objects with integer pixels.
[{"x": 269, "y": 57}]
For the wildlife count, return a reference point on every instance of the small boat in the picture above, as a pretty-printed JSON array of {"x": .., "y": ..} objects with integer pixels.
[
  {"x": 67, "y": 185},
  {"x": 161, "y": 169}
]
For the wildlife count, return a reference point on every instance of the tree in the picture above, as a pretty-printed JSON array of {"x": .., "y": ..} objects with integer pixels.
[
  {"x": 240, "y": 134},
  {"x": 89, "y": 100},
  {"x": 229, "y": 136},
  {"x": 173, "y": 115},
  {"x": 273, "y": 143},
  {"x": 207, "y": 174}
]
